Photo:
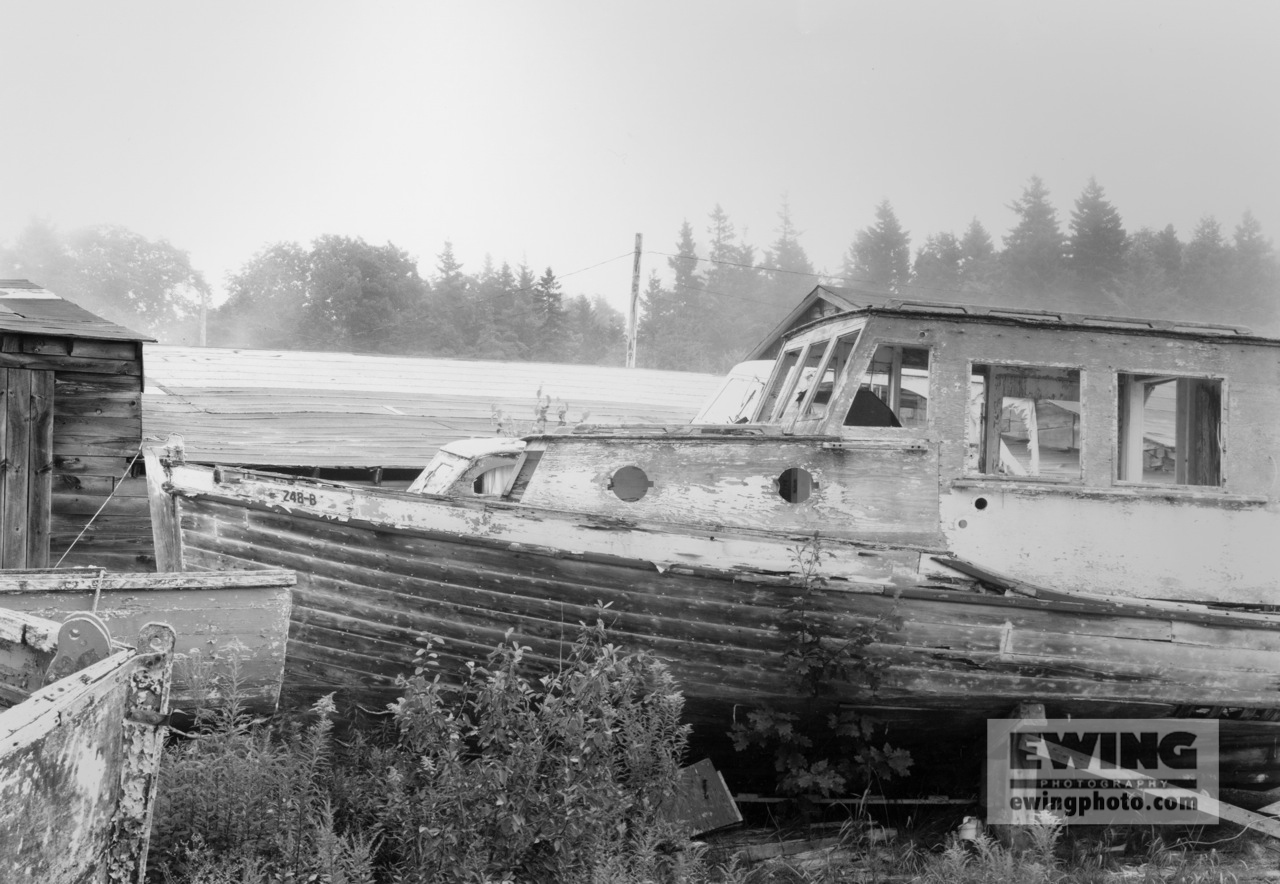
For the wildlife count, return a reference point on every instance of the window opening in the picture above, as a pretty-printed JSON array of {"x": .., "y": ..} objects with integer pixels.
[
  {"x": 806, "y": 379},
  {"x": 782, "y": 378},
  {"x": 1024, "y": 421},
  {"x": 832, "y": 371},
  {"x": 1170, "y": 430},
  {"x": 895, "y": 390}
]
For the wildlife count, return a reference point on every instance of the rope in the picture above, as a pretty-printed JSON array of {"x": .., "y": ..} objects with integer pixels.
[{"x": 114, "y": 488}]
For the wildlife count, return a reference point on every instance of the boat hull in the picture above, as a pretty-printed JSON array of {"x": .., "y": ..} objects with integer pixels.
[
  {"x": 380, "y": 571},
  {"x": 215, "y": 616},
  {"x": 79, "y": 758}
]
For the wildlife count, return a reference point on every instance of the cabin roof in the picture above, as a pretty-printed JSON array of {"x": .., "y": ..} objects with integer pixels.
[
  {"x": 826, "y": 301},
  {"x": 29, "y": 308},
  {"x": 334, "y": 410}
]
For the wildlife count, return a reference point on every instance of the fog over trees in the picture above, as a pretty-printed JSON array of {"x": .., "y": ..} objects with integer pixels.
[{"x": 715, "y": 295}]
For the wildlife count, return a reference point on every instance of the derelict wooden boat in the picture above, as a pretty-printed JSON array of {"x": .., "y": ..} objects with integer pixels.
[
  {"x": 215, "y": 616},
  {"x": 1123, "y": 460},
  {"x": 377, "y": 570},
  {"x": 82, "y": 725}
]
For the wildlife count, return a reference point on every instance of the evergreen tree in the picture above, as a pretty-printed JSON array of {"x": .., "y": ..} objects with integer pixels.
[
  {"x": 1097, "y": 245},
  {"x": 786, "y": 254},
  {"x": 553, "y": 344},
  {"x": 1167, "y": 249},
  {"x": 790, "y": 274},
  {"x": 937, "y": 269},
  {"x": 1254, "y": 271},
  {"x": 880, "y": 256},
  {"x": 504, "y": 316},
  {"x": 1205, "y": 281},
  {"x": 1149, "y": 281},
  {"x": 979, "y": 264},
  {"x": 597, "y": 330},
  {"x": 1034, "y": 257},
  {"x": 728, "y": 297}
]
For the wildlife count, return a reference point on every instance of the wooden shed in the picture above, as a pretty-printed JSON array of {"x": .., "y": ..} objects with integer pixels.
[{"x": 70, "y": 424}]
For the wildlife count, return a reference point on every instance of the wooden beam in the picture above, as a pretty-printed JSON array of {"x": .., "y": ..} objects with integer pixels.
[
  {"x": 1138, "y": 782},
  {"x": 165, "y": 529},
  {"x": 91, "y": 579}
]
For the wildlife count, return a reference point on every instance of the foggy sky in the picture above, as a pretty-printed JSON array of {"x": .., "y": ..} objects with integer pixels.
[{"x": 553, "y": 132}]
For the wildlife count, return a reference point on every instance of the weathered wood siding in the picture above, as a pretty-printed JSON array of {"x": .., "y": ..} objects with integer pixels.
[
  {"x": 97, "y": 430},
  {"x": 877, "y": 493},
  {"x": 1201, "y": 543}
]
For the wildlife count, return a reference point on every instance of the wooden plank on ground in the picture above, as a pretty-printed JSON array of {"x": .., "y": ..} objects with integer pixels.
[{"x": 702, "y": 802}]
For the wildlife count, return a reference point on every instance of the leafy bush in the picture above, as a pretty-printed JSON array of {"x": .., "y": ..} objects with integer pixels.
[
  {"x": 505, "y": 778},
  {"x": 827, "y": 750}
]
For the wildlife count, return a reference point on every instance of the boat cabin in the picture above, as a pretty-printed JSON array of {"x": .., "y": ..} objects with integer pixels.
[{"x": 1116, "y": 455}]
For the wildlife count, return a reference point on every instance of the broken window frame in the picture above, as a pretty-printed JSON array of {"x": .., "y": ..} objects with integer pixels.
[
  {"x": 818, "y": 411},
  {"x": 895, "y": 386},
  {"x": 986, "y": 422},
  {"x": 777, "y": 404},
  {"x": 1194, "y": 467},
  {"x": 812, "y": 359},
  {"x": 783, "y": 375}
]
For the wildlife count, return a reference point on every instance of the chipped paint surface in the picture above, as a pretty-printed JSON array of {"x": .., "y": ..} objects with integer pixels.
[{"x": 69, "y": 769}]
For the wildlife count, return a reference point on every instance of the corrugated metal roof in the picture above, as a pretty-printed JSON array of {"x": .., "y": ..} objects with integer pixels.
[
  {"x": 290, "y": 408},
  {"x": 30, "y": 309}
]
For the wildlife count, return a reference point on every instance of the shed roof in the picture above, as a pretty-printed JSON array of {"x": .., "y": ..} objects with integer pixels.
[
  {"x": 31, "y": 309},
  {"x": 334, "y": 410}
]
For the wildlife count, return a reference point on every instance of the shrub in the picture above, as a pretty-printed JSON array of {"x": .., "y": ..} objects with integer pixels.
[{"x": 505, "y": 777}]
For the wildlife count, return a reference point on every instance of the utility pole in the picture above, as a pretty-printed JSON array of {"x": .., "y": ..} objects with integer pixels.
[{"x": 632, "y": 314}]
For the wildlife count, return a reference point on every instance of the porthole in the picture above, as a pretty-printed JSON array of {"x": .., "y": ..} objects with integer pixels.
[
  {"x": 795, "y": 485},
  {"x": 980, "y": 503},
  {"x": 630, "y": 484}
]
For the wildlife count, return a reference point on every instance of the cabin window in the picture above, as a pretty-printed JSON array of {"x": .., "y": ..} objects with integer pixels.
[
  {"x": 1024, "y": 422},
  {"x": 895, "y": 390},
  {"x": 805, "y": 379},
  {"x": 1170, "y": 430},
  {"x": 783, "y": 375},
  {"x": 829, "y": 375}
]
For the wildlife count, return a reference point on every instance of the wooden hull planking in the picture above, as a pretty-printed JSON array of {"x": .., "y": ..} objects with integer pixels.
[{"x": 378, "y": 570}]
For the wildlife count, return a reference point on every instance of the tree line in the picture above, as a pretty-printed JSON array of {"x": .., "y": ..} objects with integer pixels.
[
  {"x": 715, "y": 305},
  {"x": 709, "y": 308}
]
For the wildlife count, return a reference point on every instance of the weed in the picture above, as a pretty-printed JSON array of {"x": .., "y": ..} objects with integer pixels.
[{"x": 828, "y": 750}]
